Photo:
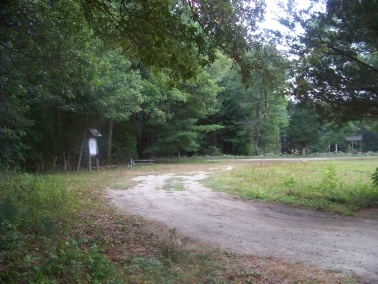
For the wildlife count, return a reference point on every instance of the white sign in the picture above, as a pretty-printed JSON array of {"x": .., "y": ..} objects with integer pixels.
[{"x": 92, "y": 144}]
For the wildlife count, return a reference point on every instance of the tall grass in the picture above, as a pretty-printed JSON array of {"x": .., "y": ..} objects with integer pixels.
[
  {"x": 34, "y": 204},
  {"x": 35, "y": 235},
  {"x": 336, "y": 186}
]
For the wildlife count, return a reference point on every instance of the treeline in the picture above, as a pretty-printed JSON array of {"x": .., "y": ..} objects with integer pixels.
[
  {"x": 64, "y": 71},
  {"x": 136, "y": 67}
]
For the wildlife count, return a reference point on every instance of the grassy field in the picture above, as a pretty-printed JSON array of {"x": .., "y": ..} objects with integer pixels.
[
  {"x": 337, "y": 186},
  {"x": 59, "y": 228}
]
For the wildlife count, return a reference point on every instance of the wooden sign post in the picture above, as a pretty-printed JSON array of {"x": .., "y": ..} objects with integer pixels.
[{"x": 93, "y": 148}]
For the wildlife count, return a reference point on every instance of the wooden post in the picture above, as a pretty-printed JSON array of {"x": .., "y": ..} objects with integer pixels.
[
  {"x": 97, "y": 163},
  {"x": 81, "y": 151},
  {"x": 89, "y": 160}
]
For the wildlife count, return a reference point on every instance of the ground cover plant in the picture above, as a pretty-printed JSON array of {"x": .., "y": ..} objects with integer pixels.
[
  {"x": 59, "y": 228},
  {"x": 338, "y": 186}
]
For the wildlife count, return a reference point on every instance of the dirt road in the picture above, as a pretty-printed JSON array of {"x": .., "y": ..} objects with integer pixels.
[{"x": 328, "y": 241}]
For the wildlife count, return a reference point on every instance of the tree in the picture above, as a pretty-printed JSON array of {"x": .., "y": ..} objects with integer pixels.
[
  {"x": 267, "y": 90},
  {"x": 338, "y": 63},
  {"x": 304, "y": 126},
  {"x": 176, "y": 35},
  {"x": 251, "y": 106},
  {"x": 334, "y": 137},
  {"x": 44, "y": 75},
  {"x": 168, "y": 34},
  {"x": 118, "y": 91},
  {"x": 234, "y": 138},
  {"x": 173, "y": 124}
]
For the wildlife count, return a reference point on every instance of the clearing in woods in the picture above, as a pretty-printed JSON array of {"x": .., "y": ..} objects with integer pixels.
[{"x": 250, "y": 227}]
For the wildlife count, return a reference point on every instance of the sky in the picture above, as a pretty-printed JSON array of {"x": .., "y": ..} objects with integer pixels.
[{"x": 273, "y": 9}]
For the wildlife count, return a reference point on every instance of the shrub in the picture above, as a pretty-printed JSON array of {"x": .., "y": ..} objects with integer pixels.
[{"x": 374, "y": 177}]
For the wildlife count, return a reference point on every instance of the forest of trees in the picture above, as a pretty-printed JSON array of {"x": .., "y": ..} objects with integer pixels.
[{"x": 168, "y": 78}]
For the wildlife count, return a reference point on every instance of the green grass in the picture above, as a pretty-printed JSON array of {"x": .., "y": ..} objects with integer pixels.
[
  {"x": 36, "y": 213},
  {"x": 174, "y": 184},
  {"x": 123, "y": 183},
  {"x": 338, "y": 186}
]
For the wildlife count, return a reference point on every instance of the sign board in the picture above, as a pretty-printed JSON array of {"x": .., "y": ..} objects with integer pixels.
[
  {"x": 92, "y": 144},
  {"x": 94, "y": 133},
  {"x": 354, "y": 138}
]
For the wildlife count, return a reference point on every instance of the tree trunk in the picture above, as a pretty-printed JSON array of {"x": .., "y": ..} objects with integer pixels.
[
  {"x": 256, "y": 127},
  {"x": 62, "y": 143},
  {"x": 110, "y": 141},
  {"x": 65, "y": 164},
  {"x": 81, "y": 152},
  {"x": 256, "y": 136},
  {"x": 303, "y": 149}
]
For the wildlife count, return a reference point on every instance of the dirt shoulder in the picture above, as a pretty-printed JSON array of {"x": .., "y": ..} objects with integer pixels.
[{"x": 327, "y": 241}]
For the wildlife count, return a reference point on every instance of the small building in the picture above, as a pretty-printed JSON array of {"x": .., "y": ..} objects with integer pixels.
[{"x": 354, "y": 143}]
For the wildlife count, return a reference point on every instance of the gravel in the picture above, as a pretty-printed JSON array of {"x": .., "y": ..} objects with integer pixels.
[{"x": 264, "y": 229}]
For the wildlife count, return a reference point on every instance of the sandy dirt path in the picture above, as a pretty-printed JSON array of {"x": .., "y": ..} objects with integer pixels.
[{"x": 328, "y": 241}]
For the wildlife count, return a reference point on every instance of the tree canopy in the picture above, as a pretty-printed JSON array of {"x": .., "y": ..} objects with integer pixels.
[
  {"x": 169, "y": 34},
  {"x": 338, "y": 63}
]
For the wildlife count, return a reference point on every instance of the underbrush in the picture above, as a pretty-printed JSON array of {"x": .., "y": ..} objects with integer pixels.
[
  {"x": 36, "y": 244},
  {"x": 336, "y": 186}
]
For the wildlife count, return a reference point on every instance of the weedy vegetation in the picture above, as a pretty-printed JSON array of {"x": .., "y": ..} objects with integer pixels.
[
  {"x": 337, "y": 186},
  {"x": 374, "y": 177},
  {"x": 60, "y": 228}
]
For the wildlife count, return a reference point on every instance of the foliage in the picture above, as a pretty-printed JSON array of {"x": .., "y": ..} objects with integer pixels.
[
  {"x": 118, "y": 87},
  {"x": 335, "y": 186},
  {"x": 333, "y": 135},
  {"x": 337, "y": 66},
  {"x": 212, "y": 151},
  {"x": 139, "y": 72},
  {"x": 374, "y": 178},
  {"x": 247, "y": 111},
  {"x": 66, "y": 68},
  {"x": 234, "y": 138},
  {"x": 304, "y": 125},
  {"x": 159, "y": 31},
  {"x": 175, "y": 123},
  {"x": 35, "y": 214},
  {"x": 28, "y": 199},
  {"x": 170, "y": 26}
]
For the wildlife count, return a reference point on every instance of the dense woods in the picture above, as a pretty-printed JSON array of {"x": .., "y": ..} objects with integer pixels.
[{"x": 175, "y": 78}]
